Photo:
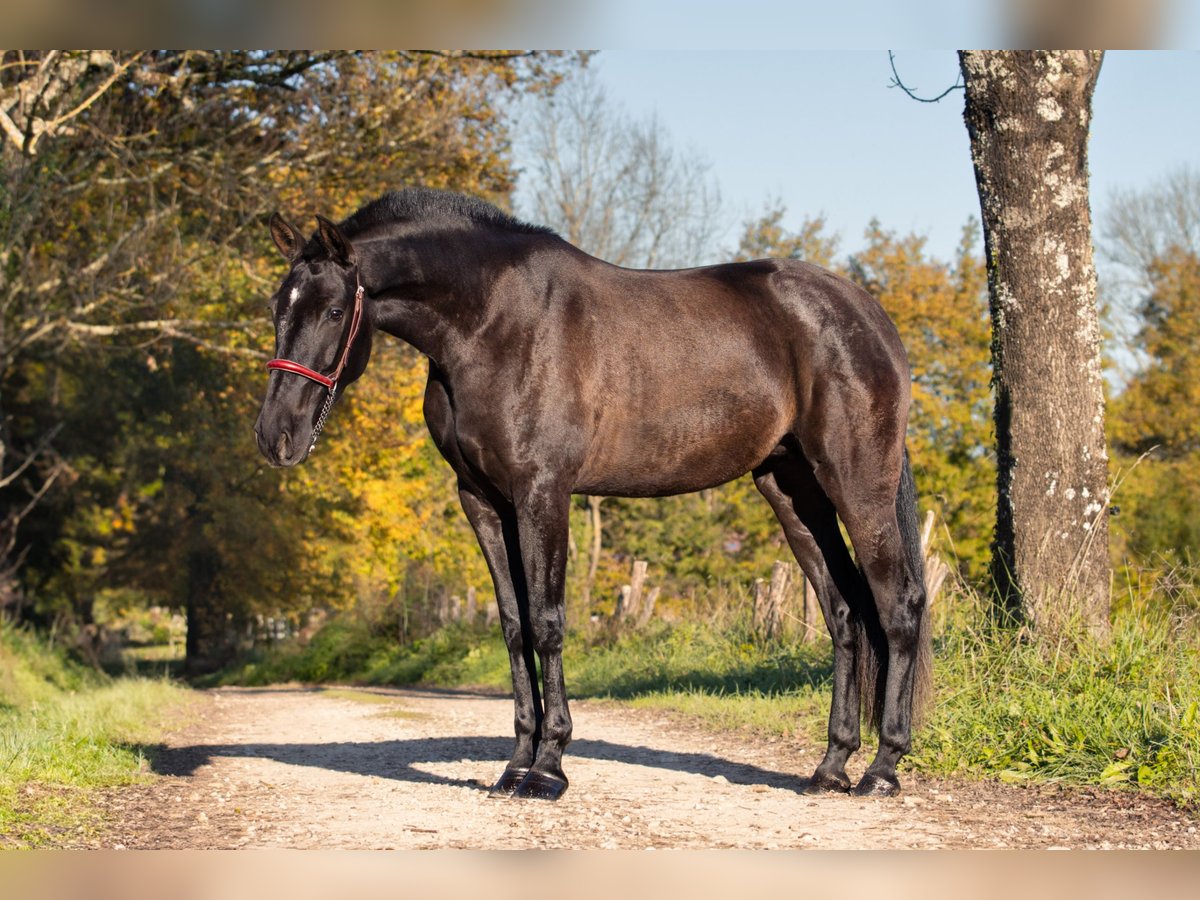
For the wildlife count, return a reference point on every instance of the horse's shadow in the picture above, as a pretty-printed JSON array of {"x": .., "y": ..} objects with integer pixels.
[{"x": 402, "y": 760}]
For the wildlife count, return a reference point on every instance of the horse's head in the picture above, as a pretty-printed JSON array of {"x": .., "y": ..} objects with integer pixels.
[{"x": 322, "y": 339}]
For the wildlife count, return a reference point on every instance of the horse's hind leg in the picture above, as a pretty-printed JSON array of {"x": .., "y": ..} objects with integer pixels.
[
  {"x": 883, "y": 543},
  {"x": 497, "y": 534},
  {"x": 810, "y": 525}
]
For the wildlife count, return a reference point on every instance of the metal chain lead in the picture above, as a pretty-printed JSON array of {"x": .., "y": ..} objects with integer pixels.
[{"x": 322, "y": 417}]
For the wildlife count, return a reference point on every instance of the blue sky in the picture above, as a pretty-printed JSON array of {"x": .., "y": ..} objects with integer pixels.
[{"x": 821, "y": 130}]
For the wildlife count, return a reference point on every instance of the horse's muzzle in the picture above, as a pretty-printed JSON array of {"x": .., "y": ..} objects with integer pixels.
[{"x": 283, "y": 450}]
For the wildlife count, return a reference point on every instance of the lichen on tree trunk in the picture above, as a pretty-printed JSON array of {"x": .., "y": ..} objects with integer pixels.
[{"x": 1028, "y": 116}]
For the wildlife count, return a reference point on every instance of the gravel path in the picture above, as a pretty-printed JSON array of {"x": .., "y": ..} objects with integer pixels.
[{"x": 382, "y": 768}]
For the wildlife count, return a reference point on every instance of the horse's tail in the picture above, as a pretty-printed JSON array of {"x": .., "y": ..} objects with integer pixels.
[{"x": 872, "y": 652}]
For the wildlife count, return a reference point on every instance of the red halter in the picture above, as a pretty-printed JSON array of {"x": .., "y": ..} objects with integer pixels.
[{"x": 329, "y": 381}]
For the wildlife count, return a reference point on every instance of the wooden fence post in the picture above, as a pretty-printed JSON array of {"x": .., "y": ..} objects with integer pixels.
[
  {"x": 781, "y": 576},
  {"x": 812, "y": 611},
  {"x": 637, "y": 582},
  {"x": 633, "y": 602},
  {"x": 648, "y": 605},
  {"x": 936, "y": 569},
  {"x": 759, "y": 615},
  {"x": 770, "y": 601},
  {"x": 622, "y": 610}
]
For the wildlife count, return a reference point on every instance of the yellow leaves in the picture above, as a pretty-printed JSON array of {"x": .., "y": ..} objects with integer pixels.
[
  {"x": 1158, "y": 405},
  {"x": 403, "y": 499},
  {"x": 1159, "y": 495},
  {"x": 941, "y": 313},
  {"x": 766, "y": 237}
]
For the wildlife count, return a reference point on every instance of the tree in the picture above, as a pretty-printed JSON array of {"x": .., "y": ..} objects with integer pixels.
[
  {"x": 134, "y": 223},
  {"x": 1139, "y": 230},
  {"x": 111, "y": 218},
  {"x": 1153, "y": 424},
  {"x": 1157, "y": 408},
  {"x": 1143, "y": 226},
  {"x": 614, "y": 186},
  {"x": 765, "y": 238},
  {"x": 1028, "y": 116}
]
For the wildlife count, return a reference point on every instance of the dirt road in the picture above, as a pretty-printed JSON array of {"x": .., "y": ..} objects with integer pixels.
[{"x": 295, "y": 767}]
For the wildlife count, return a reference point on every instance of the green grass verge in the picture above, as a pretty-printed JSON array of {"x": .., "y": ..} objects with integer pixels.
[
  {"x": 66, "y": 731},
  {"x": 1121, "y": 712},
  {"x": 349, "y": 650}
]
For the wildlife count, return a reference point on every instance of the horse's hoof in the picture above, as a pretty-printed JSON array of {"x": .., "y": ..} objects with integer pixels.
[
  {"x": 825, "y": 783},
  {"x": 540, "y": 786},
  {"x": 508, "y": 783},
  {"x": 873, "y": 785}
]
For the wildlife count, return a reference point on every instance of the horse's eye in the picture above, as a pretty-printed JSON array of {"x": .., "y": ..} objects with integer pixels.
[{"x": 335, "y": 314}]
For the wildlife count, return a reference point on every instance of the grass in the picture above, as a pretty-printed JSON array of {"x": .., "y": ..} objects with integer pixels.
[
  {"x": 1073, "y": 709},
  {"x": 1119, "y": 713},
  {"x": 66, "y": 732},
  {"x": 350, "y": 650}
]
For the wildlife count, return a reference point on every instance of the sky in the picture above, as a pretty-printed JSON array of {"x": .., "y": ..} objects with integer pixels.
[
  {"x": 823, "y": 133},
  {"x": 787, "y": 24}
]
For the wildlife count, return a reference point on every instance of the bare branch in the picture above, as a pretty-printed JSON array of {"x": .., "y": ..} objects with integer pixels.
[
  {"x": 896, "y": 82},
  {"x": 178, "y": 329},
  {"x": 11, "y": 130},
  {"x": 14, "y": 519},
  {"x": 222, "y": 349},
  {"x": 50, "y": 126},
  {"x": 614, "y": 187},
  {"x": 32, "y": 456},
  {"x": 93, "y": 267},
  {"x": 164, "y": 325},
  {"x": 483, "y": 55}
]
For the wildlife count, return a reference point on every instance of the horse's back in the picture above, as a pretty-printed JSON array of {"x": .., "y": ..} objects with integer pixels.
[{"x": 695, "y": 376}]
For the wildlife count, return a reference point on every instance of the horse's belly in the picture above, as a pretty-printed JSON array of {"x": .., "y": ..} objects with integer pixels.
[{"x": 688, "y": 447}]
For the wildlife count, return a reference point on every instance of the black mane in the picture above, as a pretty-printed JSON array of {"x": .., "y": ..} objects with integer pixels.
[{"x": 419, "y": 204}]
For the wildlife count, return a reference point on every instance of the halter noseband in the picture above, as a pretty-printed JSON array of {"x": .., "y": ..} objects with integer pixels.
[{"x": 329, "y": 382}]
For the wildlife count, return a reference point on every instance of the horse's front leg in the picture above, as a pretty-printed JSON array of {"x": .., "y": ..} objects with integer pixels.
[
  {"x": 496, "y": 530},
  {"x": 543, "y": 511}
]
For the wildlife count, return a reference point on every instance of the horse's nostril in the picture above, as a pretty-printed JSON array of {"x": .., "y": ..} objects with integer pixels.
[{"x": 283, "y": 448}]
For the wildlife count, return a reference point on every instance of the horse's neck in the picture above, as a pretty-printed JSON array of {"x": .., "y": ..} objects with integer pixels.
[
  {"x": 420, "y": 312},
  {"x": 436, "y": 313}
]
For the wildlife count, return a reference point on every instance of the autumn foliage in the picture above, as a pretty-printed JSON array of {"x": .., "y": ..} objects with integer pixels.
[{"x": 136, "y": 273}]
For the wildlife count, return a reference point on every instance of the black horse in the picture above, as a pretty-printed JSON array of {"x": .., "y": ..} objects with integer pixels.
[{"x": 553, "y": 373}]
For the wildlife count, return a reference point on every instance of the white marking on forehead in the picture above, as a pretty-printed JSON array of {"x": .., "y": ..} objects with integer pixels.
[{"x": 295, "y": 295}]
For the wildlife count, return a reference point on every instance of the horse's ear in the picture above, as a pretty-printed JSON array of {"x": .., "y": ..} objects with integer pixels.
[
  {"x": 287, "y": 237},
  {"x": 339, "y": 249}
]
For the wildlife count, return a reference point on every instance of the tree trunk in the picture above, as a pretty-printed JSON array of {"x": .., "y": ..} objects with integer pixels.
[
  {"x": 208, "y": 644},
  {"x": 1028, "y": 115}
]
